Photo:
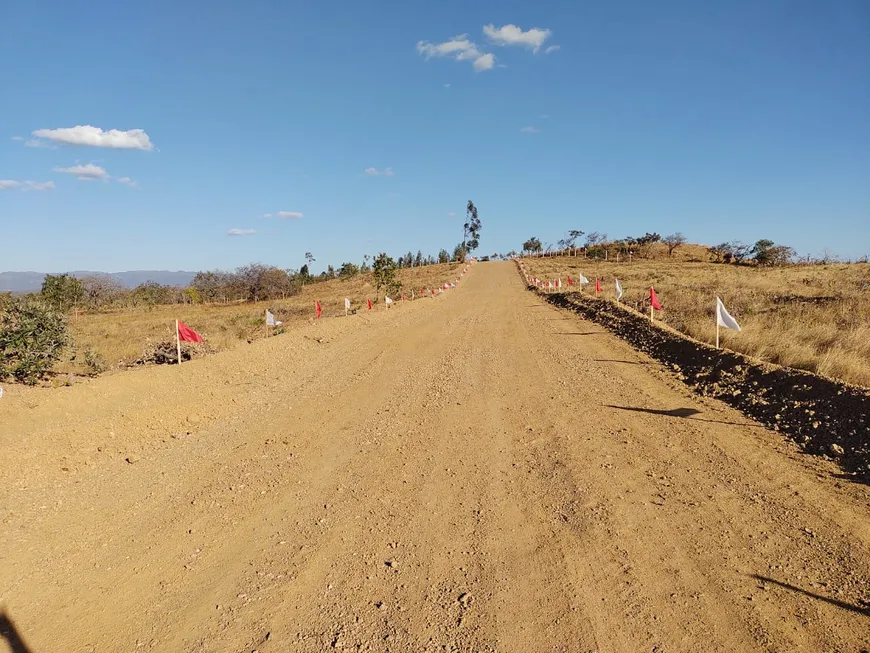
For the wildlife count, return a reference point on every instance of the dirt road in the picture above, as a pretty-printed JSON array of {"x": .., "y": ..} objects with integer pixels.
[{"x": 476, "y": 472}]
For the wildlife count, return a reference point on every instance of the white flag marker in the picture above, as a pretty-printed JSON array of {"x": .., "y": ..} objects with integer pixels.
[
  {"x": 583, "y": 280},
  {"x": 724, "y": 319},
  {"x": 618, "y": 290},
  {"x": 388, "y": 301},
  {"x": 270, "y": 319},
  {"x": 346, "y": 306}
]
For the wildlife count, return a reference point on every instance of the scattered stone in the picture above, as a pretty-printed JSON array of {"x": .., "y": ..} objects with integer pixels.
[
  {"x": 836, "y": 449},
  {"x": 465, "y": 599},
  {"x": 132, "y": 458}
]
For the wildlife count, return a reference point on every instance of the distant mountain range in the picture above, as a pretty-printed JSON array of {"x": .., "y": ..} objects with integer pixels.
[{"x": 20, "y": 282}]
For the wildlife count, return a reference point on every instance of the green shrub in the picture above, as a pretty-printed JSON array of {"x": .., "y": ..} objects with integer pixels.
[{"x": 32, "y": 337}]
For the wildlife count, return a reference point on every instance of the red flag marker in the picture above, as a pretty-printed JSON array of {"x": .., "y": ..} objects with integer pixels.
[
  {"x": 654, "y": 299},
  {"x": 570, "y": 281},
  {"x": 318, "y": 311},
  {"x": 186, "y": 334},
  {"x": 598, "y": 285},
  {"x": 369, "y": 303}
]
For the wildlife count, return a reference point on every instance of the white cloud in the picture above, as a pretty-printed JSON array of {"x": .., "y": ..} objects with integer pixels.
[
  {"x": 484, "y": 62},
  {"x": 87, "y": 172},
  {"x": 530, "y": 130},
  {"x": 241, "y": 232},
  {"x": 552, "y": 48},
  {"x": 460, "y": 49},
  {"x": 289, "y": 215},
  {"x": 452, "y": 48},
  {"x": 9, "y": 184},
  {"x": 447, "y": 86},
  {"x": 374, "y": 172},
  {"x": 132, "y": 139},
  {"x": 452, "y": 214},
  {"x": 38, "y": 185},
  {"x": 513, "y": 35},
  {"x": 267, "y": 215},
  {"x": 18, "y": 138},
  {"x": 128, "y": 182}
]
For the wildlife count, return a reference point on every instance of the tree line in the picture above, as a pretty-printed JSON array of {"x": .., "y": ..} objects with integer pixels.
[{"x": 764, "y": 252}]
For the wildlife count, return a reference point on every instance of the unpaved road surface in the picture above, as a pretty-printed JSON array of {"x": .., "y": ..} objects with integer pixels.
[{"x": 475, "y": 472}]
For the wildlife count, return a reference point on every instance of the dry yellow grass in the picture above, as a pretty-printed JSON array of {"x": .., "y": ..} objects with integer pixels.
[
  {"x": 119, "y": 337},
  {"x": 811, "y": 317}
]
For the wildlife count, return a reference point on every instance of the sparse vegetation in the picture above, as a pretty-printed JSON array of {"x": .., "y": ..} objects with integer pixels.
[
  {"x": 811, "y": 317},
  {"x": 120, "y": 335}
]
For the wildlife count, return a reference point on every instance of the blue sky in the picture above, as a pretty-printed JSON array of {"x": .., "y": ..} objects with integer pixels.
[{"x": 724, "y": 120}]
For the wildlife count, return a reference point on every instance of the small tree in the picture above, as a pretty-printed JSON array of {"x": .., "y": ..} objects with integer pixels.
[
  {"x": 459, "y": 253},
  {"x": 62, "y": 291},
  {"x": 32, "y": 337},
  {"x": 348, "y": 270},
  {"x": 384, "y": 273},
  {"x": 571, "y": 239},
  {"x": 767, "y": 253},
  {"x": 673, "y": 241},
  {"x": 418, "y": 260},
  {"x": 720, "y": 253},
  {"x": 760, "y": 250},
  {"x": 444, "y": 256},
  {"x": 595, "y": 239},
  {"x": 533, "y": 245},
  {"x": 739, "y": 251},
  {"x": 101, "y": 290},
  {"x": 152, "y": 293}
]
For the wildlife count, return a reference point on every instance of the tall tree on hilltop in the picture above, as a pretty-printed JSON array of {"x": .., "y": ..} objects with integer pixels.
[{"x": 471, "y": 229}]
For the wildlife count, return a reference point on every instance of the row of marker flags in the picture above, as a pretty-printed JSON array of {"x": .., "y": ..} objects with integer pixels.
[
  {"x": 184, "y": 333},
  {"x": 723, "y": 317}
]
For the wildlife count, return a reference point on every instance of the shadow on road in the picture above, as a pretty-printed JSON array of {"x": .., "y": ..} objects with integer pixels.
[
  {"x": 840, "y": 604},
  {"x": 613, "y": 360},
  {"x": 685, "y": 413},
  {"x": 9, "y": 632}
]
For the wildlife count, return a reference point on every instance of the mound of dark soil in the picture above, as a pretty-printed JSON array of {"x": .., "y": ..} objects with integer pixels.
[{"x": 824, "y": 416}]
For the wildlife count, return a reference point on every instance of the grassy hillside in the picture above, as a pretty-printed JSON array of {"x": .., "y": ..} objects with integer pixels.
[
  {"x": 119, "y": 337},
  {"x": 812, "y": 317}
]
